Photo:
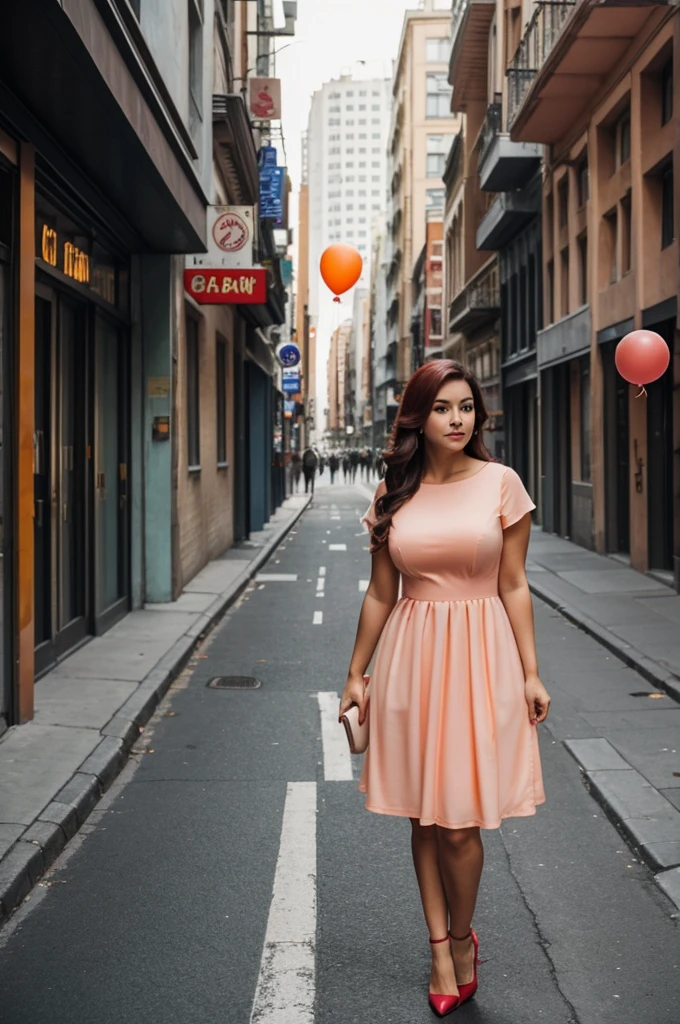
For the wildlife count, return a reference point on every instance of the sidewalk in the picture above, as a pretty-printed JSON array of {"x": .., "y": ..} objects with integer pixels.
[
  {"x": 631, "y": 762},
  {"x": 90, "y": 710}
]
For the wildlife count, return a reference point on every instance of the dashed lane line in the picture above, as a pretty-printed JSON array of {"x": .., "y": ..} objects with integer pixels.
[
  {"x": 318, "y": 619},
  {"x": 337, "y": 763}
]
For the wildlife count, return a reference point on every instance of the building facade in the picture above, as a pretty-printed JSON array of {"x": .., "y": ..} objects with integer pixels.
[{"x": 610, "y": 468}]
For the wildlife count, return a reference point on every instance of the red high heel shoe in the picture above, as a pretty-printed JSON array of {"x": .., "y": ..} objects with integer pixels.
[
  {"x": 442, "y": 1005},
  {"x": 467, "y": 990}
]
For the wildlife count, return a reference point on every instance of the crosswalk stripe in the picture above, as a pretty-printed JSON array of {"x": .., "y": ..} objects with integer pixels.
[
  {"x": 337, "y": 763},
  {"x": 286, "y": 983}
]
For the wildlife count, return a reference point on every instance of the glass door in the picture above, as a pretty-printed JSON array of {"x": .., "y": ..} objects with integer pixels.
[
  {"x": 60, "y": 476},
  {"x": 110, "y": 475}
]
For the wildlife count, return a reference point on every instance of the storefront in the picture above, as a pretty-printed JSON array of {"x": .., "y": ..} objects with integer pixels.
[{"x": 82, "y": 304}]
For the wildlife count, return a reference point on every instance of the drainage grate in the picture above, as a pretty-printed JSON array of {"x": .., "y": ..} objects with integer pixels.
[{"x": 234, "y": 683}]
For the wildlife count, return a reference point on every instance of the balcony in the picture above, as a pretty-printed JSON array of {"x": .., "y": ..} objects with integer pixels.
[
  {"x": 470, "y": 24},
  {"x": 569, "y": 49},
  {"x": 504, "y": 165},
  {"x": 507, "y": 215},
  {"x": 477, "y": 303}
]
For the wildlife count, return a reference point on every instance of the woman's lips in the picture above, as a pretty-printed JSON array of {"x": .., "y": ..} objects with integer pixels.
[{"x": 455, "y": 435}]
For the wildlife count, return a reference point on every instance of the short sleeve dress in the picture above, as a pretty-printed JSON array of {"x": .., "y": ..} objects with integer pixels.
[{"x": 450, "y": 739}]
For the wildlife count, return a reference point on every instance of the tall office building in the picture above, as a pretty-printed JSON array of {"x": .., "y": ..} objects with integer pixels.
[{"x": 347, "y": 181}]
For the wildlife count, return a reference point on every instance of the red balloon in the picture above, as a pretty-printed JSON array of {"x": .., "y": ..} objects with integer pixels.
[
  {"x": 340, "y": 267},
  {"x": 641, "y": 357}
]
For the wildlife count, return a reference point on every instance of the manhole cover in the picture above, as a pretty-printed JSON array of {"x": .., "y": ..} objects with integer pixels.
[{"x": 234, "y": 683}]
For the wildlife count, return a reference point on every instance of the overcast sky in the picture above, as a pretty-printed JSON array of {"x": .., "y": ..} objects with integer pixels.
[{"x": 331, "y": 38}]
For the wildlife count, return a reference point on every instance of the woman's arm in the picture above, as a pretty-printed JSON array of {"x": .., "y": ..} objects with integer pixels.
[{"x": 380, "y": 598}]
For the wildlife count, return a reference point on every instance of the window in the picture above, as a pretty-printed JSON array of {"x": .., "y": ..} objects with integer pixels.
[
  {"x": 582, "y": 243},
  {"x": 436, "y": 322},
  {"x": 437, "y": 148},
  {"x": 585, "y": 417},
  {"x": 437, "y": 51},
  {"x": 550, "y": 296},
  {"x": 362, "y": 106},
  {"x": 349, "y": 121},
  {"x": 667, "y": 91},
  {"x": 612, "y": 230},
  {"x": 333, "y": 122},
  {"x": 667, "y": 220},
  {"x": 195, "y": 65},
  {"x": 349, "y": 107},
  {"x": 583, "y": 183},
  {"x": 334, "y": 109},
  {"x": 564, "y": 281},
  {"x": 438, "y": 102},
  {"x": 563, "y": 201},
  {"x": 434, "y": 198},
  {"x": 193, "y": 368},
  {"x": 626, "y": 234},
  {"x": 221, "y": 410},
  {"x": 622, "y": 139}
]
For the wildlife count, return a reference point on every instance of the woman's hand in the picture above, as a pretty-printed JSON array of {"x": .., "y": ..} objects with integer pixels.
[
  {"x": 354, "y": 693},
  {"x": 537, "y": 698}
]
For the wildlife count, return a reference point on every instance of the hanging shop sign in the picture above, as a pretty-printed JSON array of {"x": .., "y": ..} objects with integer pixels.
[
  {"x": 230, "y": 238},
  {"x": 288, "y": 354},
  {"x": 289, "y": 408},
  {"x": 290, "y": 381},
  {"x": 220, "y": 286},
  {"x": 272, "y": 178},
  {"x": 264, "y": 99}
]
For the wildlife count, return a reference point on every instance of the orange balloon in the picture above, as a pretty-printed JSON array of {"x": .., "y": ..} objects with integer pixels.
[
  {"x": 642, "y": 357},
  {"x": 341, "y": 267}
]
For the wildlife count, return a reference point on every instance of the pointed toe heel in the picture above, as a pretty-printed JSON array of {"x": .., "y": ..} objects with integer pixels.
[
  {"x": 467, "y": 990},
  {"x": 441, "y": 1004}
]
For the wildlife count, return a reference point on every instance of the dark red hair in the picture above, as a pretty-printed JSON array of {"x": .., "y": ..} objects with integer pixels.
[{"x": 405, "y": 456}]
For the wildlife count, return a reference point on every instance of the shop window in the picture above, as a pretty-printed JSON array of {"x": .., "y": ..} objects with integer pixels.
[
  {"x": 667, "y": 219},
  {"x": 193, "y": 383},
  {"x": 667, "y": 92},
  {"x": 585, "y": 418},
  {"x": 221, "y": 410},
  {"x": 583, "y": 269},
  {"x": 626, "y": 234}
]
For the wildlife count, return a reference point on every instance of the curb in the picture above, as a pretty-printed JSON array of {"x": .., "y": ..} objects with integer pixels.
[
  {"x": 644, "y": 666},
  {"x": 42, "y": 842}
]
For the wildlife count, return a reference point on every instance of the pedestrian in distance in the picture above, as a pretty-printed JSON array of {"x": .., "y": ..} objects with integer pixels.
[
  {"x": 363, "y": 462},
  {"x": 354, "y": 463},
  {"x": 346, "y": 466},
  {"x": 296, "y": 463},
  {"x": 310, "y": 462},
  {"x": 333, "y": 465},
  {"x": 455, "y": 695}
]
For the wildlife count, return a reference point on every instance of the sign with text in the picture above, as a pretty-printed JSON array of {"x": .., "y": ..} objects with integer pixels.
[
  {"x": 272, "y": 179},
  {"x": 290, "y": 381},
  {"x": 219, "y": 286},
  {"x": 230, "y": 238}
]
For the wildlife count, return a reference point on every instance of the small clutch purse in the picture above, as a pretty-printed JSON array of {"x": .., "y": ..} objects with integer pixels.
[{"x": 357, "y": 735}]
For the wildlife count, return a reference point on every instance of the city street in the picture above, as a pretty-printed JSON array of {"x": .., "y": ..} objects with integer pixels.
[{"x": 160, "y": 910}]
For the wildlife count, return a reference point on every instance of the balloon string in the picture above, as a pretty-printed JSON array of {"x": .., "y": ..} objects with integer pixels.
[
  {"x": 336, "y": 299},
  {"x": 641, "y": 391}
]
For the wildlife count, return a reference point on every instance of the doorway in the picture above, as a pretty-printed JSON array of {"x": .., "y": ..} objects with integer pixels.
[
  {"x": 60, "y": 475},
  {"x": 616, "y": 454},
  {"x": 660, "y": 461}
]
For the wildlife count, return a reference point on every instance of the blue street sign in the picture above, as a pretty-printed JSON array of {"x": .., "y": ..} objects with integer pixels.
[
  {"x": 291, "y": 383},
  {"x": 271, "y": 185},
  {"x": 289, "y": 354}
]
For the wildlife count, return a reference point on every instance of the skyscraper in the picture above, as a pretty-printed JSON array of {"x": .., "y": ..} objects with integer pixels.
[{"x": 347, "y": 180}]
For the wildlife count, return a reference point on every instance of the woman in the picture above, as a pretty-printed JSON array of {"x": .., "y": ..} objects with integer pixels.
[{"x": 455, "y": 692}]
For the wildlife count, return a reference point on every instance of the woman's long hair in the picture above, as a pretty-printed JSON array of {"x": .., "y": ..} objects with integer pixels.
[{"x": 405, "y": 456}]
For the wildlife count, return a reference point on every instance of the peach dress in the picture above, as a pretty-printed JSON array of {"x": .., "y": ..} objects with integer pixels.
[{"x": 450, "y": 737}]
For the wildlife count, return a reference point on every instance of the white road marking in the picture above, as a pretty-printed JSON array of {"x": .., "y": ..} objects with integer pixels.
[
  {"x": 318, "y": 619},
  {"x": 276, "y": 577},
  {"x": 335, "y": 517},
  {"x": 322, "y": 570},
  {"x": 363, "y": 586},
  {"x": 328, "y": 531},
  {"x": 320, "y": 584},
  {"x": 337, "y": 763},
  {"x": 286, "y": 983},
  {"x": 337, "y": 547}
]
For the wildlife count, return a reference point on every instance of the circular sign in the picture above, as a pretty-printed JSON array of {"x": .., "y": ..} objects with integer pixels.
[
  {"x": 289, "y": 354},
  {"x": 230, "y": 232}
]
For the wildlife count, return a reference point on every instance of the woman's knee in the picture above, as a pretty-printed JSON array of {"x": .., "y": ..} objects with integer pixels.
[
  {"x": 424, "y": 832},
  {"x": 457, "y": 839}
]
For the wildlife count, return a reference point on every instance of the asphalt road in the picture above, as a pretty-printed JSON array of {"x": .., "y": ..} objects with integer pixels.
[{"x": 159, "y": 910}]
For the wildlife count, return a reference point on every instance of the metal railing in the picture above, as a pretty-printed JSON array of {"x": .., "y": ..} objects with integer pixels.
[
  {"x": 539, "y": 38},
  {"x": 483, "y": 293},
  {"x": 492, "y": 127}
]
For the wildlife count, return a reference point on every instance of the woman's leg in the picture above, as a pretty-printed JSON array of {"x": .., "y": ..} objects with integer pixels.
[
  {"x": 461, "y": 860},
  {"x": 425, "y": 850}
]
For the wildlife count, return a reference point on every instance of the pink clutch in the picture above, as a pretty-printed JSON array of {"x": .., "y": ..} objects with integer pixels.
[{"x": 357, "y": 735}]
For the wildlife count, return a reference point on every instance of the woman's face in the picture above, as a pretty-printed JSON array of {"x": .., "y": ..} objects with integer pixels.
[{"x": 452, "y": 418}]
